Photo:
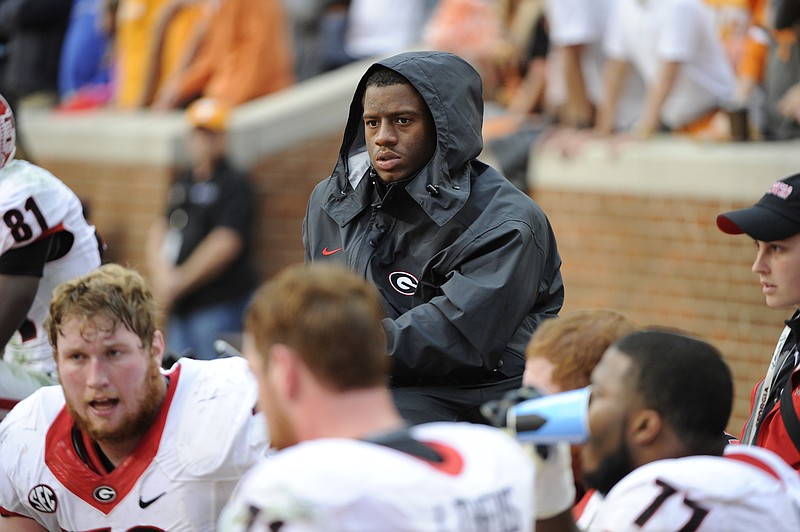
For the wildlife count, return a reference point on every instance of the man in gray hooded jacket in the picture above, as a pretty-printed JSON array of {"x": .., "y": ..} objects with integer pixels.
[{"x": 466, "y": 264}]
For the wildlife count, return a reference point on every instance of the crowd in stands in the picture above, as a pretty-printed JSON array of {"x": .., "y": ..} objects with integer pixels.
[
  {"x": 696, "y": 67},
  {"x": 716, "y": 70}
]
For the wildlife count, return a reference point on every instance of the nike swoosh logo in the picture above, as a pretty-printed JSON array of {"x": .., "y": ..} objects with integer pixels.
[
  {"x": 327, "y": 251},
  {"x": 144, "y": 504}
]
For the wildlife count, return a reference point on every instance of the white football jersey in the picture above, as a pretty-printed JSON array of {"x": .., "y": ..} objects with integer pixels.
[
  {"x": 484, "y": 483},
  {"x": 747, "y": 489},
  {"x": 18, "y": 382},
  {"x": 35, "y": 204},
  {"x": 177, "y": 479}
]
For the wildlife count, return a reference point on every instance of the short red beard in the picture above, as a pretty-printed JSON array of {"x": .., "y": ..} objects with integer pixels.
[
  {"x": 135, "y": 425},
  {"x": 281, "y": 431}
]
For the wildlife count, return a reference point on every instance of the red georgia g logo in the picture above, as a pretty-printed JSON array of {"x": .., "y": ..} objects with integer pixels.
[
  {"x": 403, "y": 282},
  {"x": 104, "y": 494}
]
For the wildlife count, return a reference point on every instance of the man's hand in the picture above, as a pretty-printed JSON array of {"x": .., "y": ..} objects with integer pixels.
[
  {"x": 166, "y": 284},
  {"x": 496, "y": 412}
]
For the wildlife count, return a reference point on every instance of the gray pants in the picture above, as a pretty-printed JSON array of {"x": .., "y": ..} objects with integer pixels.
[{"x": 423, "y": 404}]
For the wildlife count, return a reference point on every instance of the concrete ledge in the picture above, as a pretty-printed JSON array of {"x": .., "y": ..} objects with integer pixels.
[
  {"x": 106, "y": 136},
  {"x": 670, "y": 166},
  {"x": 313, "y": 108}
]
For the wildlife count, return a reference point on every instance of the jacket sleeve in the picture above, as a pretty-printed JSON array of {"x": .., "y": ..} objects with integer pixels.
[
  {"x": 487, "y": 293},
  {"x": 312, "y": 210}
]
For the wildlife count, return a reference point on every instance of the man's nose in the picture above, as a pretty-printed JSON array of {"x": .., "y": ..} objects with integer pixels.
[
  {"x": 386, "y": 134},
  {"x": 97, "y": 376}
]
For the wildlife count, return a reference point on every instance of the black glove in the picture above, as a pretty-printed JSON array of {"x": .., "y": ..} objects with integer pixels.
[{"x": 496, "y": 412}]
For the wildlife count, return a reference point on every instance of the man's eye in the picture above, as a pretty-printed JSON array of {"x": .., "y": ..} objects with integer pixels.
[{"x": 403, "y": 120}]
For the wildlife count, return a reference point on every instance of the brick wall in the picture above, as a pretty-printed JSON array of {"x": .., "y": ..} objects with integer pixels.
[
  {"x": 124, "y": 200},
  {"x": 284, "y": 182},
  {"x": 636, "y": 226},
  {"x": 662, "y": 261}
]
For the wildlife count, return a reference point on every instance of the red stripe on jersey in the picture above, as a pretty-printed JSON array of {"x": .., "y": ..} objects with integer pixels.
[
  {"x": 452, "y": 463},
  {"x": 580, "y": 507},
  {"x": 95, "y": 462},
  {"x": 63, "y": 461},
  {"x": 51, "y": 231},
  {"x": 755, "y": 462},
  {"x": 7, "y": 404}
]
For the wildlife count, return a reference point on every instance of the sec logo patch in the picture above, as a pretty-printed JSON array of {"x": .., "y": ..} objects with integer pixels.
[{"x": 43, "y": 499}]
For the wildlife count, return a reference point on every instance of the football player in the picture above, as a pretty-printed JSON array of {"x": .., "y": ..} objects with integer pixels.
[
  {"x": 121, "y": 444},
  {"x": 657, "y": 448},
  {"x": 44, "y": 240},
  {"x": 346, "y": 459}
]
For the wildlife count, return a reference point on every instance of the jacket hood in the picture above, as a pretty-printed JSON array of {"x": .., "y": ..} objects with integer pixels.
[{"x": 452, "y": 89}]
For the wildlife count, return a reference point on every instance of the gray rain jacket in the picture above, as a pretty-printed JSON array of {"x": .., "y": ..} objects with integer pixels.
[{"x": 466, "y": 264}]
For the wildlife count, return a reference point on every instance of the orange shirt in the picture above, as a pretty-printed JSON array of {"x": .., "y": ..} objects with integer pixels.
[
  {"x": 758, "y": 41},
  {"x": 135, "y": 19},
  {"x": 138, "y": 44},
  {"x": 246, "y": 53}
]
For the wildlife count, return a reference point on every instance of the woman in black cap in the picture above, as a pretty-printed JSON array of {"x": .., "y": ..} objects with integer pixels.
[{"x": 774, "y": 224}]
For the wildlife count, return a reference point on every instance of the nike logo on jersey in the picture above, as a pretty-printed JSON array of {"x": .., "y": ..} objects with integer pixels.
[
  {"x": 327, "y": 251},
  {"x": 144, "y": 504}
]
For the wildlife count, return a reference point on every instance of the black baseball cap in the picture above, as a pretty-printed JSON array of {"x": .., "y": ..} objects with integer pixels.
[{"x": 776, "y": 215}]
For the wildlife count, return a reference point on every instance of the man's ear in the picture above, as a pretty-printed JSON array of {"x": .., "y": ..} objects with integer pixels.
[
  {"x": 157, "y": 347},
  {"x": 285, "y": 370},
  {"x": 645, "y": 427}
]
